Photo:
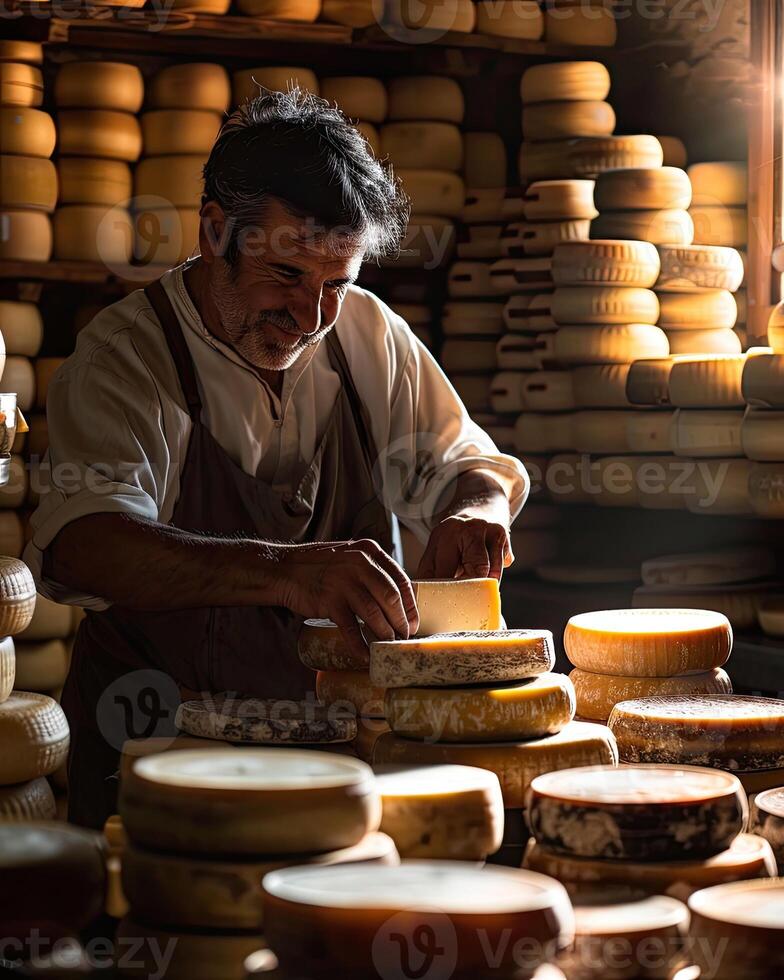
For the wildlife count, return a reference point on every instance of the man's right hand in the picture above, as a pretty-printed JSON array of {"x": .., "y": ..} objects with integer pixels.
[{"x": 346, "y": 581}]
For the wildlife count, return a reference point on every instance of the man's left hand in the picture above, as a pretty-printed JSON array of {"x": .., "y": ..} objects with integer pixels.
[{"x": 466, "y": 547}]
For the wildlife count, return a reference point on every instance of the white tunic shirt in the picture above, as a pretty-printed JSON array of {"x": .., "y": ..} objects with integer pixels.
[{"x": 119, "y": 427}]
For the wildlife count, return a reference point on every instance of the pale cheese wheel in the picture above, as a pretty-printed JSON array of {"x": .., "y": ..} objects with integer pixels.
[
  {"x": 540, "y": 238},
  {"x": 436, "y": 192},
  {"x": 27, "y": 52},
  {"x": 480, "y": 242},
  {"x": 724, "y": 341},
  {"x": 21, "y": 326},
  {"x": 548, "y": 391},
  {"x": 591, "y": 24},
  {"x": 21, "y": 85},
  {"x": 747, "y": 857},
  {"x": 544, "y": 433},
  {"x": 26, "y": 802},
  {"x": 484, "y": 160},
  {"x": 91, "y": 233},
  {"x": 93, "y": 181},
  {"x": 724, "y": 731},
  {"x": 531, "y": 708},
  {"x": 297, "y": 11},
  {"x": 686, "y": 267},
  {"x": 597, "y": 694},
  {"x": 344, "y": 910},
  {"x": 51, "y": 621},
  {"x": 455, "y": 605},
  {"x": 206, "y": 893},
  {"x": 99, "y": 133},
  {"x": 247, "y": 84},
  {"x": 606, "y": 305},
  {"x": 466, "y": 657},
  {"x": 565, "y": 120},
  {"x": 600, "y": 385},
  {"x": 515, "y": 763},
  {"x": 7, "y": 667},
  {"x": 621, "y": 263},
  {"x": 446, "y": 813},
  {"x": 648, "y": 381},
  {"x": 762, "y": 382},
  {"x": 555, "y": 200},
  {"x": 529, "y": 313},
  {"x": 761, "y": 435},
  {"x": 489, "y": 204},
  {"x": 165, "y": 236},
  {"x": 19, "y": 377},
  {"x": 516, "y": 352},
  {"x": 600, "y": 432},
  {"x": 358, "y": 97},
  {"x": 701, "y": 433},
  {"x": 35, "y": 734},
  {"x": 42, "y": 666},
  {"x": 709, "y": 567},
  {"x": 719, "y": 225},
  {"x": 565, "y": 81},
  {"x": 672, "y": 226},
  {"x": 648, "y": 432},
  {"x": 423, "y": 145},
  {"x": 99, "y": 85},
  {"x": 28, "y": 183},
  {"x": 520, "y": 19},
  {"x": 25, "y": 236},
  {"x": 719, "y": 183},
  {"x": 430, "y": 97},
  {"x": 257, "y": 801},
  {"x": 350, "y": 690},
  {"x": 654, "y": 189},
  {"x": 587, "y": 157},
  {"x": 609, "y": 345},
  {"x": 639, "y": 813},
  {"x": 27, "y": 132},
  {"x": 321, "y": 646},
  {"x": 468, "y": 318},
  {"x": 178, "y": 131},
  {"x": 469, "y": 280},
  {"x": 708, "y": 381},
  {"x": 739, "y": 603},
  {"x": 648, "y": 642},
  {"x": 351, "y": 13},
  {"x": 190, "y": 86},
  {"x": 176, "y": 180},
  {"x": 458, "y": 16},
  {"x": 675, "y": 154},
  {"x": 776, "y": 328}
]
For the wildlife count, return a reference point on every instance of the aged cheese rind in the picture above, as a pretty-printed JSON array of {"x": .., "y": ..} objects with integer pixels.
[
  {"x": 441, "y": 812},
  {"x": 515, "y": 763},
  {"x": 35, "y": 737},
  {"x": 17, "y": 596},
  {"x": 350, "y": 690},
  {"x": 639, "y": 813},
  {"x": 767, "y": 820},
  {"x": 454, "y": 605},
  {"x": 29, "y": 801},
  {"x": 447, "y": 659},
  {"x": 7, "y": 667},
  {"x": 649, "y": 643},
  {"x": 609, "y": 261},
  {"x": 253, "y": 801},
  {"x": 321, "y": 647},
  {"x": 530, "y": 709},
  {"x": 724, "y": 731},
  {"x": 686, "y": 267}
]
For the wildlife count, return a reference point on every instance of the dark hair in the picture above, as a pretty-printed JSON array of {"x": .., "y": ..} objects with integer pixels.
[{"x": 298, "y": 148}]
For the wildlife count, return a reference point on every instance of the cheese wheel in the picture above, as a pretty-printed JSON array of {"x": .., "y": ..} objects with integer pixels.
[
  {"x": 558, "y": 200},
  {"x": 99, "y": 133},
  {"x": 93, "y": 181},
  {"x": 565, "y": 81},
  {"x": 708, "y": 309},
  {"x": 540, "y": 238},
  {"x": 609, "y": 345},
  {"x": 709, "y": 567},
  {"x": 20, "y": 85},
  {"x": 21, "y": 325},
  {"x": 358, "y": 97},
  {"x": 515, "y": 763},
  {"x": 490, "y": 204},
  {"x": 519, "y": 19},
  {"x": 26, "y": 802},
  {"x": 707, "y": 433},
  {"x": 469, "y": 280},
  {"x": 587, "y": 157},
  {"x": 205, "y": 893},
  {"x": 649, "y": 432},
  {"x": 540, "y": 433},
  {"x": 719, "y": 183},
  {"x": 468, "y": 356},
  {"x": 27, "y": 132},
  {"x": 604, "y": 305},
  {"x": 299, "y": 11},
  {"x": 747, "y": 857},
  {"x": 563, "y": 120},
  {"x": 264, "y": 721},
  {"x": 484, "y": 160},
  {"x": 175, "y": 179},
  {"x": 600, "y": 432},
  {"x": 688, "y": 267},
  {"x": 666, "y": 226},
  {"x": 350, "y": 691},
  {"x": 710, "y": 381},
  {"x": 41, "y": 666},
  {"x": 7, "y": 667},
  {"x": 648, "y": 642},
  {"x": 247, "y": 84},
  {"x": 648, "y": 381},
  {"x": 480, "y": 242},
  {"x": 369, "y": 731},
  {"x": 516, "y": 353},
  {"x": 509, "y": 276},
  {"x": 435, "y": 192},
  {"x": 738, "y": 603},
  {"x": 27, "y": 52},
  {"x": 178, "y": 131},
  {"x": 600, "y": 385},
  {"x": 25, "y": 236},
  {"x": 760, "y": 435},
  {"x": 457, "y": 16},
  {"x": 637, "y": 813},
  {"x": 447, "y": 813},
  {"x": 548, "y": 391},
  {"x": 467, "y": 657},
  {"x": 597, "y": 694},
  {"x": 257, "y": 801},
  {"x": 467, "y": 318},
  {"x": 767, "y": 820},
  {"x": 621, "y": 263},
  {"x": 90, "y": 233},
  {"x": 724, "y": 341},
  {"x": 191, "y": 86},
  {"x": 654, "y": 189},
  {"x": 744, "y": 920},
  {"x": 348, "y": 913},
  {"x": 720, "y": 225},
  {"x": 576, "y": 23},
  {"x": 473, "y": 390},
  {"x": 762, "y": 381},
  {"x": 99, "y": 85},
  {"x": 675, "y": 154},
  {"x": 12, "y": 541},
  {"x": 165, "y": 236},
  {"x": 533, "y": 708},
  {"x": 321, "y": 647},
  {"x": 19, "y": 377},
  {"x": 725, "y": 731},
  {"x": 455, "y": 605},
  {"x": 34, "y": 731},
  {"x": 423, "y": 145},
  {"x": 430, "y": 97}
]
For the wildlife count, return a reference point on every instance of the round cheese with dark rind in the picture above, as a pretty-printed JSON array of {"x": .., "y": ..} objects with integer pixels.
[
  {"x": 767, "y": 820},
  {"x": 321, "y": 646},
  {"x": 640, "y": 813}
]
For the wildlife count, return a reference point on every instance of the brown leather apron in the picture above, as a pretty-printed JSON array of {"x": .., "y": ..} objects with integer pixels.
[{"x": 130, "y": 667}]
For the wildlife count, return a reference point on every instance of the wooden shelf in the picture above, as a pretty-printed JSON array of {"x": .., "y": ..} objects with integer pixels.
[{"x": 78, "y": 273}]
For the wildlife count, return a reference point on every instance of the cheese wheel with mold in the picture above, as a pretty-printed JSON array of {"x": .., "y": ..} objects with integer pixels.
[
  {"x": 350, "y": 689},
  {"x": 621, "y": 263},
  {"x": 321, "y": 647}
]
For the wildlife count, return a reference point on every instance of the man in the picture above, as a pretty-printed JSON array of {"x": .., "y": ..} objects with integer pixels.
[{"x": 228, "y": 448}]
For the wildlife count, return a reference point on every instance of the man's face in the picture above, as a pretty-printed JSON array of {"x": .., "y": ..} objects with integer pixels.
[{"x": 285, "y": 291}]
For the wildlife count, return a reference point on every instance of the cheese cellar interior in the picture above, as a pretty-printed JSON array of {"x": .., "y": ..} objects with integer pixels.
[{"x": 391, "y": 489}]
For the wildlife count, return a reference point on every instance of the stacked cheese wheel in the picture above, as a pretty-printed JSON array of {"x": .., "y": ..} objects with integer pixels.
[
  {"x": 767, "y": 820},
  {"x": 720, "y": 198},
  {"x": 183, "y": 114},
  {"x": 576, "y": 22},
  {"x": 205, "y": 826},
  {"x": 27, "y": 138},
  {"x": 431, "y": 16},
  {"x": 98, "y": 138},
  {"x": 655, "y": 829},
  {"x": 521, "y": 19}
]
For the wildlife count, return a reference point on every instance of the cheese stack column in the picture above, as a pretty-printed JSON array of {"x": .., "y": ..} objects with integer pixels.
[
  {"x": 719, "y": 203},
  {"x": 98, "y": 138},
  {"x": 27, "y": 138},
  {"x": 620, "y": 654},
  {"x": 205, "y": 826}
]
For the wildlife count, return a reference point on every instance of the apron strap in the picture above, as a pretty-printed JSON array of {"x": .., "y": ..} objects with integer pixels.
[
  {"x": 178, "y": 346},
  {"x": 361, "y": 418}
]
